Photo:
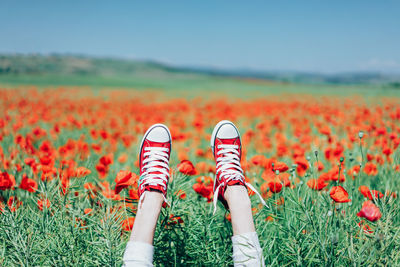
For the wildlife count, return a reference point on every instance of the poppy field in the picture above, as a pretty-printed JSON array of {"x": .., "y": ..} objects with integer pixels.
[{"x": 328, "y": 167}]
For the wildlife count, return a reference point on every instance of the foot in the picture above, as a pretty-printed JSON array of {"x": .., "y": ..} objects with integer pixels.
[
  {"x": 227, "y": 149},
  {"x": 155, "y": 151}
]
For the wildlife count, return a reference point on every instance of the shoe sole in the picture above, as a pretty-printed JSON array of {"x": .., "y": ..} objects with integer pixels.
[
  {"x": 215, "y": 131},
  {"x": 148, "y": 131}
]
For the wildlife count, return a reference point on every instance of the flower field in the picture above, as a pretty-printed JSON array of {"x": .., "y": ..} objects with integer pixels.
[{"x": 327, "y": 166}]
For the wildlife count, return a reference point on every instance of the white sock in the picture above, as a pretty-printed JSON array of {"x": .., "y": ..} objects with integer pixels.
[
  {"x": 246, "y": 250},
  {"x": 138, "y": 254}
]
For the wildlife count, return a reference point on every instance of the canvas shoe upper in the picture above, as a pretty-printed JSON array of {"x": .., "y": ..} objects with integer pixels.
[
  {"x": 155, "y": 151},
  {"x": 227, "y": 150}
]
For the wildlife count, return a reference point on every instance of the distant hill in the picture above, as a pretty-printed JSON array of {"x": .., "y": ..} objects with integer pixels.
[
  {"x": 77, "y": 65},
  {"x": 307, "y": 77}
]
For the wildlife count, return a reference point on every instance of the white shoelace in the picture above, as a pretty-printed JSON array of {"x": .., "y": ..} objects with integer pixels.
[
  {"x": 156, "y": 161},
  {"x": 228, "y": 166}
]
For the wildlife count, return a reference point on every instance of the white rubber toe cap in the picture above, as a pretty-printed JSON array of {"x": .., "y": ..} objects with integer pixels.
[
  {"x": 227, "y": 131},
  {"x": 224, "y": 130},
  {"x": 159, "y": 133}
]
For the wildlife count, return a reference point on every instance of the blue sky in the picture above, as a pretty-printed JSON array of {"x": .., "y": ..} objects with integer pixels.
[{"x": 321, "y": 36}]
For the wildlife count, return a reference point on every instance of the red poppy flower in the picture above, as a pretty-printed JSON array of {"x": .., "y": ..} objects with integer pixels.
[
  {"x": 181, "y": 194},
  {"x": 284, "y": 179},
  {"x": 387, "y": 151},
  {"x": 18, "y": 166},
  {"x": 89, "y": 186},
  {"x": 319, "y": 165},
  {"x": 365, "y": 227},
  {"x": 29, "y": 161},
  {"x": 108, "y": 192},
  {"x": 43, "y": 203},
  {"x": 281, "y": 167},
  {"x": 339, "y": 194},
  {"x": 81, "y": 172},
  {"x": 203, "y": 190},
  {"x": 325, "y": 130},
  {"x": 269, "y": 219},
  {"x": 133, "y": 193},
  {"x": 186, "y": 167},
  {"x": 259, "y": 160},
  {"x": 13, "y": 203},
  {"x": 7, "y": 181},
  {"x": 87, "y": 211},
  {"x": 174, "y": 220},
  {"x": 46, "y": 147},
  {"x": 127, "y": 224},
  {"x": 64, "y": 184},
  {"x": 28, "y": 184},
  {"x": 124, "y": 179},
  {"x": 46, "y": 160},
  {"x": 96, "y": 147},
  {"x": 123, "y": 158},
  {"x": 316, "y": 184},
  {"x": 365, "y": 191},
  {"x": 275, "y": 187},
  {"x": 268, "y": 175},
  {"x": 353, "y": 171},
  {"x": 370, "y": 211},
  {"x": 106, "y": 160},
  {"x": 102, "y": 170},
  {"x": 370, "y": 169},
  {"x": 368, "y": 193},
  {"x": 203, "y": 167},
  {"x": 302, "y": 166},
  {"x": 200, "y": 152}
]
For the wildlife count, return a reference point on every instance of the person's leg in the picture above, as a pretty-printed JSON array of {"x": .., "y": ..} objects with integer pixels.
[
  {"x": 146, "y": 218},
  {"x": 154, "y": 156},
  {"x": 139, "y": 250},
  {"x": 230, "y": 188},
  {"x": 240, "y": 207},
  {"x": 246, "y": 246}
]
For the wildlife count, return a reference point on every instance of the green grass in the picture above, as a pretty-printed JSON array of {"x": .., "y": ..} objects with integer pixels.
[{"x": 302, "y": 234}]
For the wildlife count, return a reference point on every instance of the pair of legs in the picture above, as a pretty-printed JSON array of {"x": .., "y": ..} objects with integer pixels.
[
  {"x": 229, "y": 187},
  {"x": 147, "y": 215}
]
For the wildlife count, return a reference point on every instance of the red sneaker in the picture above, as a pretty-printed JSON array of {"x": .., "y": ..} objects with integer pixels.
[
  {"x": 155, "y": 151},
  {"x": 227, "y": 149}
]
